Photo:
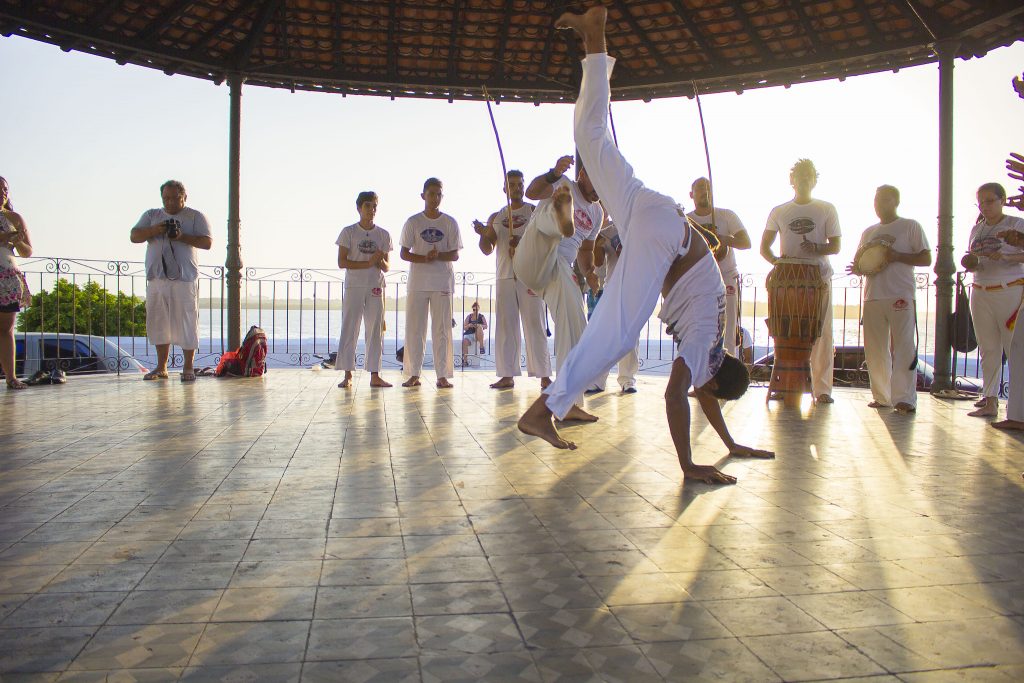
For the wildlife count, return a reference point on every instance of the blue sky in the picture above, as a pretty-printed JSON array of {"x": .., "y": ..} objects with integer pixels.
[{"x": 88, "y": 142}]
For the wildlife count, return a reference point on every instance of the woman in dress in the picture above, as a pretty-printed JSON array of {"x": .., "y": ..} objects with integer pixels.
[{"x": 14, "y": 239}]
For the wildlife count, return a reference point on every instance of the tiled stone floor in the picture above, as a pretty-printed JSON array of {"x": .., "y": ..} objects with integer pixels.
[{"x": 282, "y": 529}]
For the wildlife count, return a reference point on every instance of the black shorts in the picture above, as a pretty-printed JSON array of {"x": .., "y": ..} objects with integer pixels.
[{"x": 10, "y": 308}]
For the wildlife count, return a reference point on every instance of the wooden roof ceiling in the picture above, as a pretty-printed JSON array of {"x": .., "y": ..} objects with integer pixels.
[{"x": 454, "y": 48}]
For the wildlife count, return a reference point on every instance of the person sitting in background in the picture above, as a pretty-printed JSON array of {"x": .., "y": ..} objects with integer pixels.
[{"x": 473, "y": 330}]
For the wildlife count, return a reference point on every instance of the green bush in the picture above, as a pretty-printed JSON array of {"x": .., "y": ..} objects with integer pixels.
[{"x": 84, "y": 310}]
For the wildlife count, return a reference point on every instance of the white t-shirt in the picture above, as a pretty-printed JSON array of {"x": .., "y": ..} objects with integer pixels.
[
  {"x": 421, "y": 234},
  {"x": 984, "y": 239},
  {"x": 499, "y": 221},
  {"x": 816, "y": 221},
  {"x": 361, "y": 245},
  {"x": 168, "y": 259},
  {"x": 587, "y": 218},
  {"x": 895, "y": 281},
  {"x": 727, "y": 224}
]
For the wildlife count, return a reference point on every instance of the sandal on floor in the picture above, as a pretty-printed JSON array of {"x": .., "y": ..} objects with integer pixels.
[
  {"x": 16, "y": 384},
  {"x": 188, "y": 376},
  {"x": 154, "y": 374}
]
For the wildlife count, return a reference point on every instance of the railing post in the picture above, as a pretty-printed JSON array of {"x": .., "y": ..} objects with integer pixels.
[
  {"x": 944, "y": 265},
  {"x": 233, "y": 263}
]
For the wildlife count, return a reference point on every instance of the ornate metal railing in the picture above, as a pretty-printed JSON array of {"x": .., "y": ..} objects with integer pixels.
[{"x": 300, "y": 310}]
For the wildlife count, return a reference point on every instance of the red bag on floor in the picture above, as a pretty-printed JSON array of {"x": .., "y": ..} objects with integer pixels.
[{"x": 250, "y": 360}]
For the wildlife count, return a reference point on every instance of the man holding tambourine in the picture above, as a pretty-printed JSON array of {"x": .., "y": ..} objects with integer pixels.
[
  {"x": 732, "y": 235},
  {"x": 886, "y": 257}
]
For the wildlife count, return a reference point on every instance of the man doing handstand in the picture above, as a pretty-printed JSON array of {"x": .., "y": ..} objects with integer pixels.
[{"x": 660, "y": 253}]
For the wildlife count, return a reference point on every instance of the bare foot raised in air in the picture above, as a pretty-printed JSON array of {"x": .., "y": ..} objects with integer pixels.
[
  {"x": 561, "y": 200},
  {"x": 590, "y": 26},
  {"x": 537, "y": 421},
  {"x": 577, "y": 414}
]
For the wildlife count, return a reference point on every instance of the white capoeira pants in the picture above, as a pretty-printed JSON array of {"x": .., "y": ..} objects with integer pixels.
[
  {"x": 440, "y": 306},
  {"x": 823, "y": 354},
  {"x": 172, "y": 313},
  {"x": 628, "y": 366},
  {"x": 1015, "y": 400},
  {"x": 537, "y": 265},
  {"x": 651, "y": 230},
  {"x": 890, "y": 323},
  {"x": 990, "y": 310},
  {"x": 361, "y": 305},
  {"x": 518, "y": 303}
]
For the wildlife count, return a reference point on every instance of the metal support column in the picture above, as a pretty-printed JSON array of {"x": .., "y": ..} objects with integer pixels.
[
  {"x": 233, "y": 263},
  {"x": 945, "y": 268}
]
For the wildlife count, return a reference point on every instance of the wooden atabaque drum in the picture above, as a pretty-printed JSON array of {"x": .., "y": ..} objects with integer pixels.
[{"x": 797, "y": 295}]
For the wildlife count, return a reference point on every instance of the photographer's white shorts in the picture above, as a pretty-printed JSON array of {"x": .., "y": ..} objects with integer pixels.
[{"x": 172, "y": 313}]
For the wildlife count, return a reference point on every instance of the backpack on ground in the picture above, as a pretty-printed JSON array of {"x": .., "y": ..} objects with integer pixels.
[{"x": 250, "y": 360}]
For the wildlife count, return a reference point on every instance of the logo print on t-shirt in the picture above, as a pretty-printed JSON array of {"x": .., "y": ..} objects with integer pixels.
[
  {"x": 900, "y": 305},
  {"x": 432, "y": 235},
  {"x": 517, "y": 222},
  {"x": 582, "y": 220},
  {"x": 802, "y": 226},
  {"x": 987, "y": 245},
  {"x": 367, "y": 246}
]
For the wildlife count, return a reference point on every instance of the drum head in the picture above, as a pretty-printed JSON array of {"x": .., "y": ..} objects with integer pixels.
[{"x": 871, "y": 259}]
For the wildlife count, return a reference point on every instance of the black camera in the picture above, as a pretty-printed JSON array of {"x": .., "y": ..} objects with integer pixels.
[{"x": 173, "y": 229}]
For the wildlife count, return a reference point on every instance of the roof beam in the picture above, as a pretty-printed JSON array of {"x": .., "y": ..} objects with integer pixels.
[
  {"x": 1006, "y": 10},
  {"x": 869, "y": 22},
  {"x": 162, "y": 20},
  {"x": 453, "y": 39},
  {"x": 549, "y": 45},
  {"x": 642, "y": 35},
  {"x": 100, "y": 16},
  {"x": 809, "y": 30},
  {"x": 244, "y": 50},
  {"x": 224, "y": 23},
  {"x": 97, "y": 19},
  {"x": 503, "y": 41},
  {"x": 930, "y": 20},
  {"x": 691, "y": 27},
  {"x": 339, "y": 49},
  {"x": 392, "y": 48},
  {"x": 766, "y": 54}
]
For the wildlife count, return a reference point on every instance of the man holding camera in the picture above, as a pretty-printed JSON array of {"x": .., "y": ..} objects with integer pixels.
[{"x": 172, "y": 235}]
